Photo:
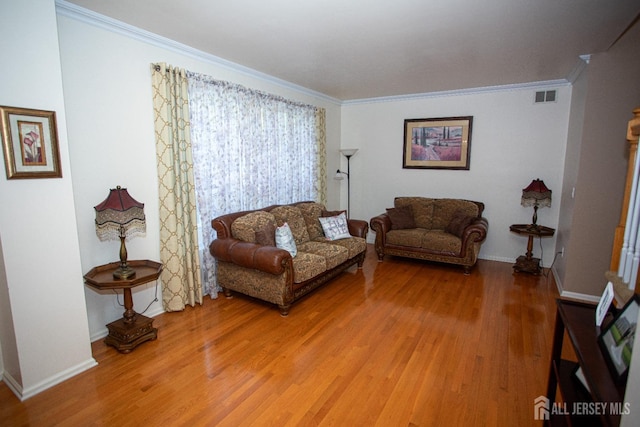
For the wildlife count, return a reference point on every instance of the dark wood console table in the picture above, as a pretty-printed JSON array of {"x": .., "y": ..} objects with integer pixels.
[
  {"x": 133, "y": 329},
  {"x": 527, "y": 263},
  {"x": 579, "y": 404}
]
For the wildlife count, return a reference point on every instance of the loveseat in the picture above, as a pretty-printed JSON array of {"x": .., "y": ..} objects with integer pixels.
[
  {"x": 441, "y": 230},
  {"x": 255, "y": 259}
]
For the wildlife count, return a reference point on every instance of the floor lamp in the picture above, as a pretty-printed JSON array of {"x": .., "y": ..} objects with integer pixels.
[{"x": 347, "y": 152}]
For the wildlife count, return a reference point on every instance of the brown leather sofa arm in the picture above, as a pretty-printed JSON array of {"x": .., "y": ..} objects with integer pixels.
[
  {"x": 474, "y": 233},
  {"x": 381, "y": 223},
  {"x": 251, "y": 255},
  {"x": 358, "y": 227},
  {"x": 477, "y": 229}
]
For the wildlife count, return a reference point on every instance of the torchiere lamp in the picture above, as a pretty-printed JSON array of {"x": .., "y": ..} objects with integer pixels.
[
  {"x": 347, "y": 152},
  {"x": 537, "y": 195},
  {"x": 120, "y": 216}
]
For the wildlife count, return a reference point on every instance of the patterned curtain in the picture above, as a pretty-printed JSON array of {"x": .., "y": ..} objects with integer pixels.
[
  {"x": 181, "y": 277},
  {"x": 251, "y": 149}
]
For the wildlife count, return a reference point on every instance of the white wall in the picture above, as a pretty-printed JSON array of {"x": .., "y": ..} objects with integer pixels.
[
  {"x": 107, "y": 84},
  {"x": 42, "y": 285},
  {"x": 513, "y": 141}
]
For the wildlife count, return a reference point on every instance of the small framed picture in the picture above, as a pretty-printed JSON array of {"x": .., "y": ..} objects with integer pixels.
[
  {"x": 30, "y": 143},
  {"x": 616, "y": 340},
  {"x": 440, "y": 143}
]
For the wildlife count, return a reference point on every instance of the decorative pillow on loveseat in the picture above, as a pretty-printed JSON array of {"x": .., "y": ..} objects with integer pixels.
[
  {"x": 335, "y": 227},
  {"x": 401, "y": 217},
  {"x": 459, "y": 221}
]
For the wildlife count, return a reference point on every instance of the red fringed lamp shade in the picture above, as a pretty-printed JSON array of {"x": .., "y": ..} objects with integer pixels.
[
  {"x": 537, "y": 195},
  {"x": 121, "y": 217}
]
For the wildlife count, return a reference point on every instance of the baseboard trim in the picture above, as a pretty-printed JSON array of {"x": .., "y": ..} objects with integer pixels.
[
  {"x": 25, "y": 393},
  {"x": 13, "y": 385},
  {"x": 578, "y": 296}
]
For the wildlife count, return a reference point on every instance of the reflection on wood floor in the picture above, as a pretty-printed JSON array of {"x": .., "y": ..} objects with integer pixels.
[{"x": 398, "y": 343}]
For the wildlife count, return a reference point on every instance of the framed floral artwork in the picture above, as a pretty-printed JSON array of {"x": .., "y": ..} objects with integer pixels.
[
  {"x": 439, "y": 143},
  {"x": 30, "y": 143}
]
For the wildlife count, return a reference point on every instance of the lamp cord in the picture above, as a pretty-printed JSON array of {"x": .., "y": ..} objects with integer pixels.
[
  {"x": 155, "y": 299},
  {"x": 555, "y": 257}
]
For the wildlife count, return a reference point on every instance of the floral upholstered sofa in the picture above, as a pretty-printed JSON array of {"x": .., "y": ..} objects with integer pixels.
[
  {"x": 280, "y": 253},
  {"x": 441, "y": 230}
]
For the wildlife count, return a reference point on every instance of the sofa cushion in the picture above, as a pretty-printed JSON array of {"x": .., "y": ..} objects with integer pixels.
[
  {"x": 245, "y": 227},
  {"x": 444, "y": 209},
  {"x": 401, "y": 217},
  {"x": 284, "y": 239},
  {"x": 353, "y": 244},
  {"x": 311, "y": 211},
  {"x": 333, "y": 254},
  {"x": 433, "y": 240},
  {"x": 292, "y": 216},
  {"x": 441, "y": 241},
  {"x": 422, "y": 208},
  {"x": 335, "y": 227},
  {"x": 458, "y": 222},
  {"x": 307, "y": 266},
  {"x": 407, "y": 237}
]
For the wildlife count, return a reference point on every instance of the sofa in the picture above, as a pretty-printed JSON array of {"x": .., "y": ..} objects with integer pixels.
[
  {"x": 280, "y": 253},
  {"x": 441, "y": 230}
]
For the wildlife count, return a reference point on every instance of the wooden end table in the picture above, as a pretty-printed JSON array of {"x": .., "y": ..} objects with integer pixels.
[
  {"x": 527, "y": 263},
  {"x": 133, "y": 329}
]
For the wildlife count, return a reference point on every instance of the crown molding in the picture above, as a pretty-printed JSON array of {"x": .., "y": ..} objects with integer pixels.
[
  {"x": 460, "y": 92},
  {"x": 86, "y": 16},
  {"x": 81, "y": 14}
]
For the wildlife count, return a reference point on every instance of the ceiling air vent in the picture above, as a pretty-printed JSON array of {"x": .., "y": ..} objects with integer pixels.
[{"x": 545, "y": 96}]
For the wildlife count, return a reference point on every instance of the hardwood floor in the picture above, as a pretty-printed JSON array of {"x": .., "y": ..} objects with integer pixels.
[{"x": 398, "y": 343}]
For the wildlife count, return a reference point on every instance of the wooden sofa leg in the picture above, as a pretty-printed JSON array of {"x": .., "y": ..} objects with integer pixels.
[
  {"x": 467, "y": 270},
  {"x": 284, "y": 309},
  {"x": 227, "y": 293}
]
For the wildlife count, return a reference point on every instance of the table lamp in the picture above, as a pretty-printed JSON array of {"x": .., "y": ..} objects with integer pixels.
[
  {"x": 120, "y": 216},
  {"x": 537, "y": 195}
]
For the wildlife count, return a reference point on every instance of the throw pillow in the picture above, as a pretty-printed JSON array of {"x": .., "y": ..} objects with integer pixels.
[
  {"x": 284, "y": 239},
  {"x": 326, "y": 214},
  {"x": 401, "y": 217},
  {"x": 335, "y": 227},
  {"x": 458, "y": 222},
  {"x": 266, "y": 235}
]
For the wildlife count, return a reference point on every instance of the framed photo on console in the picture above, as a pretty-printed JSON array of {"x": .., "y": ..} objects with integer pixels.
[
  {"x": 439, "y": 143},
  {"x": 616, "y": 340}
]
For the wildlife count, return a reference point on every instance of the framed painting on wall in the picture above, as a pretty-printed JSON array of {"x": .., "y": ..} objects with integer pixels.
[
  {"x": 30, "y": 143},
  {"x": 439, "y": 143}
]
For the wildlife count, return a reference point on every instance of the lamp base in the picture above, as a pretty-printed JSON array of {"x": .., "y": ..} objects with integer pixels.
[
  {"x": 527, "y": 264},
  {"x": 125, "y": 336},
  {"x": 124, "y": 272}
]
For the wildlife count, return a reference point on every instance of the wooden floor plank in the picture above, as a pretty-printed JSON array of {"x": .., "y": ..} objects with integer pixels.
[{"x": 398, "y": 343}]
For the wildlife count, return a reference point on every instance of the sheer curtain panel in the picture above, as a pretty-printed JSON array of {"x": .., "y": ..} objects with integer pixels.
[
  {"x": 181, "y": 276},
  {"x": 251, "y": 149}
]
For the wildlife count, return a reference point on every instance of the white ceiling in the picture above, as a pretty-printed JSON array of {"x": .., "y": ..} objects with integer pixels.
[{"x": 354, "y": 49}]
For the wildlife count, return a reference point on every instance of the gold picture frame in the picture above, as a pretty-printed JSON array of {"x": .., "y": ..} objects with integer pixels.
[
  {"x": 30, "y": 143},
  {"x": 439, "y": 143}
]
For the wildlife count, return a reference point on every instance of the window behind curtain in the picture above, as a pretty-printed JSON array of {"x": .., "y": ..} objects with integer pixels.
[{"x": 250, "y": 150}]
